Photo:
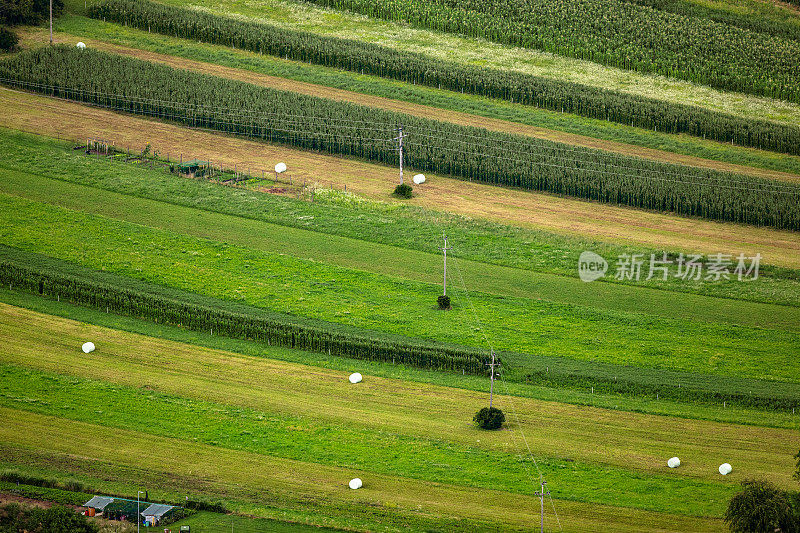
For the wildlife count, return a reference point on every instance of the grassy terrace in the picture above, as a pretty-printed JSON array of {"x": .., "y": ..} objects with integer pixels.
[
  {"x": 556, "y": 126},
  {"x": 266, "y": 416},
  {"x": 35, "y": 166},
  {"x": 375, "y": 301}
]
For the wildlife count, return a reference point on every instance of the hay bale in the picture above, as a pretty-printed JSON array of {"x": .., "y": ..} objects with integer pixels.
[
  {"x": 355, "y": 377},
  {"x": 725, "y": 469},
  {"x": 355, "y": 483},
  {"x": 87, "y": 347},
  {"x": 674, "y": 462}
]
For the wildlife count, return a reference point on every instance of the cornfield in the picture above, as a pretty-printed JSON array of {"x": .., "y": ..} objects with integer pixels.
[
  {"x": 780, "y": 27},
  {"x": 615, "y": 33},
  {"x": 230, "y": 106},
  {"x": 367, "y": 58}
]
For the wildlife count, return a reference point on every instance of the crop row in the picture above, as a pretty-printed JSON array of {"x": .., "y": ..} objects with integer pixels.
[
  {"x": 258, "y": 326},
  {"x": 230, "y": 106},
  {"x": 368, "y": 58},
  {"x": 780, "y": 24},
  {"x": 616, "y": 33}
]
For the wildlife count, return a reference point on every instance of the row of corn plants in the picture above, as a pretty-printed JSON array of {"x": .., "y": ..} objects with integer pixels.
[
  {"x": 256, "y": 325},
  {"x": 780, "y": 26},
  {"x": 615, "y": 33},
  {"x": 368, "y": 58},
  {"x": 230, "y": 106}
]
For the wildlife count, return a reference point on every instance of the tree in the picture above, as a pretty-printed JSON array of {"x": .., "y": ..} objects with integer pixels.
[
  {"x": 760, "y": 507},
  {"x": 8, "y": 40},
  {"x": 403, "y": 190},
  {"x": 489, "y": 418},
  {"x": 28, "y": 11}
]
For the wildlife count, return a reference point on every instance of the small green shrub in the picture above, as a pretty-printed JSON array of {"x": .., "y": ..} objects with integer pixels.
[
  {"x": 444, "y": 302},
  {"x": 8, "y": 40},
  {"x": 489, "y": 418},
  {"x": 403, "y": 190},
  {"x": 760, "y": 507}
]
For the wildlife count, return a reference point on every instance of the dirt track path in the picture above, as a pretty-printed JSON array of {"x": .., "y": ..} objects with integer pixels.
[
  {"x": 47, "y": 116},
  {"x": 465, "y": 119}
]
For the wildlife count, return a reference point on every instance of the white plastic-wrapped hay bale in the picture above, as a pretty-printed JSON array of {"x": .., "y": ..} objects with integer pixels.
[
  {"x": 725, "y": 469},
  {"x": 419, "y": 179},
  {"x": 87, "y": 347},
  {"x": 674, "y": 462},
  {"x": 81, "y": 45},
  {"x": 355, "y": 377},
  {"x": 355, "y": 483}
]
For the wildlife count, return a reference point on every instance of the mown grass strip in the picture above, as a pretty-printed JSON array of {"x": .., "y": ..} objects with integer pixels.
[
  {"x": 283, "y": 484},
  {"x": 259, "y": 221},
  {"x": 557, "y": 431},
  {"x": 663, "y": 406},
  {"x": 357, "y": 447},
  {"x": 389, "y": 305}
]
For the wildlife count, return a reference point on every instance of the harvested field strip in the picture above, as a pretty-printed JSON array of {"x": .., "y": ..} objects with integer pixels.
[
  {"x": 664, "y": 407},
  {"x": 276, "y": 482},
  {"x": 391, "y": 260},
  {"x": 390, "y": 305},
  {"x": 341, "y": 214},
  {"x": 41, "y": 115},
  {"x": 358, "y": 447},
  {"x": 51, "y": 344}
]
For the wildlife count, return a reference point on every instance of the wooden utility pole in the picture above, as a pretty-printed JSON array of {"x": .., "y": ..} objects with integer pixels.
[
  {"x": 442, "y": 248},
  {"x": 541, "y": 496},
  {"x": 51, "y": 21}
]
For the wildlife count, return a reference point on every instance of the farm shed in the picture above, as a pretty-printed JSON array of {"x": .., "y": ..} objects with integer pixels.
[
  {"x": 155, "y": 513},
  {"x": 98, "y": 503}
]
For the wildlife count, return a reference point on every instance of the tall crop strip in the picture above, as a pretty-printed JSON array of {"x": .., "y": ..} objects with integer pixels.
[
  {"x": 230, "y": 106},
  {"x": 614, "y": 32},
  {"x": 368, "y": 58}
]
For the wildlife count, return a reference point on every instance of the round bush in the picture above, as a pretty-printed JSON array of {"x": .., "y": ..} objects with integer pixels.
[
  {"x": 8, "y": 40},
  {"x": 443, "y": 301},
  {"x": 403, "y": 190},
  {"x": 489, "y": 418}
]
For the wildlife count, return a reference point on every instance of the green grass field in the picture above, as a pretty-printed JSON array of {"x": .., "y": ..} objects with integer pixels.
[
  {"x": 264, "y": 412},
  {"x": 376, "y": 301},
  {"x": 650, "y": 405},
  {"x": 79, "y": 27},
  {"x": 269, "y": 223}
]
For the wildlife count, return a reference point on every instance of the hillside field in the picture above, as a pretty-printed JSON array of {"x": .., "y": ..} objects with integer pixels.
[{"x": 229, "y": 302}]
